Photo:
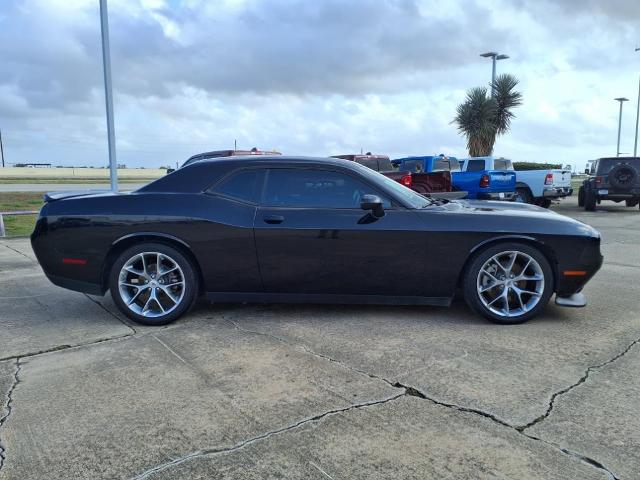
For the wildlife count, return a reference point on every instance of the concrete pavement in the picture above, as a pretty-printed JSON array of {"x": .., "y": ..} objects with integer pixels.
[{"x": 291, "y": 391}]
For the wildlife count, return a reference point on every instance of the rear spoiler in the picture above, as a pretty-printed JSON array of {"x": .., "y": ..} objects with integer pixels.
[{"x": 55, "y": 196}]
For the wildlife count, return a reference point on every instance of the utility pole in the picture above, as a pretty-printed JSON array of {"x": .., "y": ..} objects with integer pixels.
[
  {"x": 495, "y": 56},
  {"x": 108, "y": 95},
  {"x": 1, "y": 149},
  {"x": 635, "y": 142},
  {"x": 621, "y": 100}
]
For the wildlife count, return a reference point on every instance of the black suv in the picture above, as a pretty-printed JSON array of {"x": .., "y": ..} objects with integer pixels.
[{"x": 616, "y": 179}]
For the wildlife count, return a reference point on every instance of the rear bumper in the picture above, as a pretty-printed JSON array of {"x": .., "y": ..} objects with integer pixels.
[
  {"x": 557, "y": 192},
  {"x": 76, "y": 285},
  {"x": 508, "y": 196}
]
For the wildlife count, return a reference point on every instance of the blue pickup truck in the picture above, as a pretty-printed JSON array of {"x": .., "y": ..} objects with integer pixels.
[
  {"x": 483, "y": 178},
  {"x": 486, "y": 178}
]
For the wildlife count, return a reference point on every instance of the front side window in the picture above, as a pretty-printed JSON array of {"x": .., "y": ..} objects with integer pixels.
[
  {"x": 315, "y": 189},
  {"x": 475, "y": 165},
  {"x": 245, "y": 185}
]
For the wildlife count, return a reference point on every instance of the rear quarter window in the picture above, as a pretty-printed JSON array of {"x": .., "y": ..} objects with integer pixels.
[
  {"x": 245, "y": 185},
  {"x": 502, "y": 164},
  {"x": 475, "y": 165}
]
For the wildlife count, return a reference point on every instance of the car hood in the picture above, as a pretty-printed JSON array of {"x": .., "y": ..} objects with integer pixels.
[{"x": 522, "y": 217}]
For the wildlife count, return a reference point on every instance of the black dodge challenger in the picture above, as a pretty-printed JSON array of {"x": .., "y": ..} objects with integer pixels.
[{"x": 312, "y": 230}]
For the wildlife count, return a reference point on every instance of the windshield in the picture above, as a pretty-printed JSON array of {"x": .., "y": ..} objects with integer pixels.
[{"x": 415, "y": 200}]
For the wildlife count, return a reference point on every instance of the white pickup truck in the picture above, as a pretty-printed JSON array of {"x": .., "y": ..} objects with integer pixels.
[{"x": 539, "y": 187}]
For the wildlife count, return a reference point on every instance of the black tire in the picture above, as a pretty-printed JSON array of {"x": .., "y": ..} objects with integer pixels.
[
  {"x": 186, "y": 273},
  {"x": 590, "y": 200},
  {"x": 524, "y": 195},
  {"x": 631, "y": 202},
  {"x": 543, "y": 202},
  {"x": 581, "y": 197},
  {"x": 623, "y": 176},
  {"x": 470, "y": 281}
]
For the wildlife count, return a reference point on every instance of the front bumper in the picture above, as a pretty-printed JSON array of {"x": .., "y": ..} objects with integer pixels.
[
  {"x": 576, "y": 300},
  {"x": 507, "y": 196},
  {"x": 557, "y": 192}
]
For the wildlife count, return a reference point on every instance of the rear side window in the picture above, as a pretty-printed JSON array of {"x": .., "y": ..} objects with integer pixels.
[
  {"x": 315, "y": 189},
  {"x": 371, "y": 163},
  {"x": 245, "y": 185},
  {"x": 414, "y": 166},
  {"x": 384, "y": 165},
  {"x": 475, "y": 165},
  {"x": 502, "y": 164}
]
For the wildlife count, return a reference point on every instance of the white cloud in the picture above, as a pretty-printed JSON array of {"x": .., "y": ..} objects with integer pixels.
[{"x": 310, "y": 77}]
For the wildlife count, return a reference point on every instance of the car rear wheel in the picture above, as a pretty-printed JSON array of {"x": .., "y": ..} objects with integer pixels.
[
  {"x": 508, "y": 283},
  {"x": 153, "y": 284},
  {"x": 631, "y": 203},
  {"x": 589, "y": 200}
]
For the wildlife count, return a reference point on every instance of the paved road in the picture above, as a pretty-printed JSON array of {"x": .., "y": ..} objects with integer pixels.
[
  {"x": 307, "y": 391},
  {"x": 57, "y": 187}
]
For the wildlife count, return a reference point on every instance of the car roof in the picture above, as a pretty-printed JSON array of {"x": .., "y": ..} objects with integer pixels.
[
  {"x": 272, "y": 159},
  {"x": 198, "y": 175}
]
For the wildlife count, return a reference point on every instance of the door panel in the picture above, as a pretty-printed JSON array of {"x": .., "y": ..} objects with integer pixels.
[{"x": 341, "y": 251}]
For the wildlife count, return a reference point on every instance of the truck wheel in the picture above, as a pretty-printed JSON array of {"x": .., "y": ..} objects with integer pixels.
[
  {"x": 590, "y": 200},
  {"x": 543, "y": 202},
  {"x": 508, "y": 283},
  {"x": 631, "y": 203},
  {"x": 523, "y": 195},
  {"x": 581, "y": 197}
]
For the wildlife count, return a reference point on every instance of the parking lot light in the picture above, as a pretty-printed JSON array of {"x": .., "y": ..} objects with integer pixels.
[
  {"x": 495, "y": 56},
  {"x": 621, "y": 100}
]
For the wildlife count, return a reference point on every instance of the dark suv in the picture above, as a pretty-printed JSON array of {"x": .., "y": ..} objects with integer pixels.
[{"x": 616, "y": 178}]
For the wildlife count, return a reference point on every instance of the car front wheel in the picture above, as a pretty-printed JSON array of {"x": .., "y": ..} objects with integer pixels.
[
  {"x": 508, "y": 283},
  {"x": 153, "y": 283}
]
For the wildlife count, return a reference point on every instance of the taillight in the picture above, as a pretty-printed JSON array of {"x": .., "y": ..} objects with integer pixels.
[
  {"x": 406, "y": 180},
  {"x": 599, "y": 180},
  {"x": 548, "y": 180},
  {"x": 484, "y": 181}
]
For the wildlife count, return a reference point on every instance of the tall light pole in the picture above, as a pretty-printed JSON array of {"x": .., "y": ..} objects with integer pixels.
[
  {"x": 108, "y": 96},
  {"x": 621, "y": 100},
  {"x": 635, "y": 142},
  {"x": 495, "y": 56}
]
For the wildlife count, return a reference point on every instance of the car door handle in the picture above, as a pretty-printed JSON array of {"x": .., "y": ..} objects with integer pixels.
[{"x": 273, "y": 219}]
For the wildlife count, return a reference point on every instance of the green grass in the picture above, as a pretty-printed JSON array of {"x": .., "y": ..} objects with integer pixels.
[
  {"x": 19, "y": 225},
  {"x": 71, "y": 180}
]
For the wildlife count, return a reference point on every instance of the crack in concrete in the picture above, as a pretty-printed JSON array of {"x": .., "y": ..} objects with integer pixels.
[
  {"x": 60, "y": 348},
  {"x": 20, "y": 253},
  {"x": 222, "y": 450},
  {"x": 8, "y": 407},
  {"x": 126, "y": 324},
  {"x": 412, "y": 391},
  {"x": 581, "y": 380}
]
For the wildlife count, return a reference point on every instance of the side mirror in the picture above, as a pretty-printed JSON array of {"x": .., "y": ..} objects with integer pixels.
[
  {"x": 373, "y": 203},
  {"x": 587, "y": 171}
]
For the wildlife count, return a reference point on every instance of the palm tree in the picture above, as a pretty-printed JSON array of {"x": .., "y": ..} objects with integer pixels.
[{"x": 481, "y": 118}]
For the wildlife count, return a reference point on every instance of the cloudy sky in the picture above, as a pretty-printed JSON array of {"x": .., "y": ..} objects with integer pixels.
[{"x": 312, "y": 77}]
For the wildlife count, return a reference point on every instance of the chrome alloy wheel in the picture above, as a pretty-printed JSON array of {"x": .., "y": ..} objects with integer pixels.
[
  {"x": 510, "y": 283},
  {"x": 151, "y": 284}
]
